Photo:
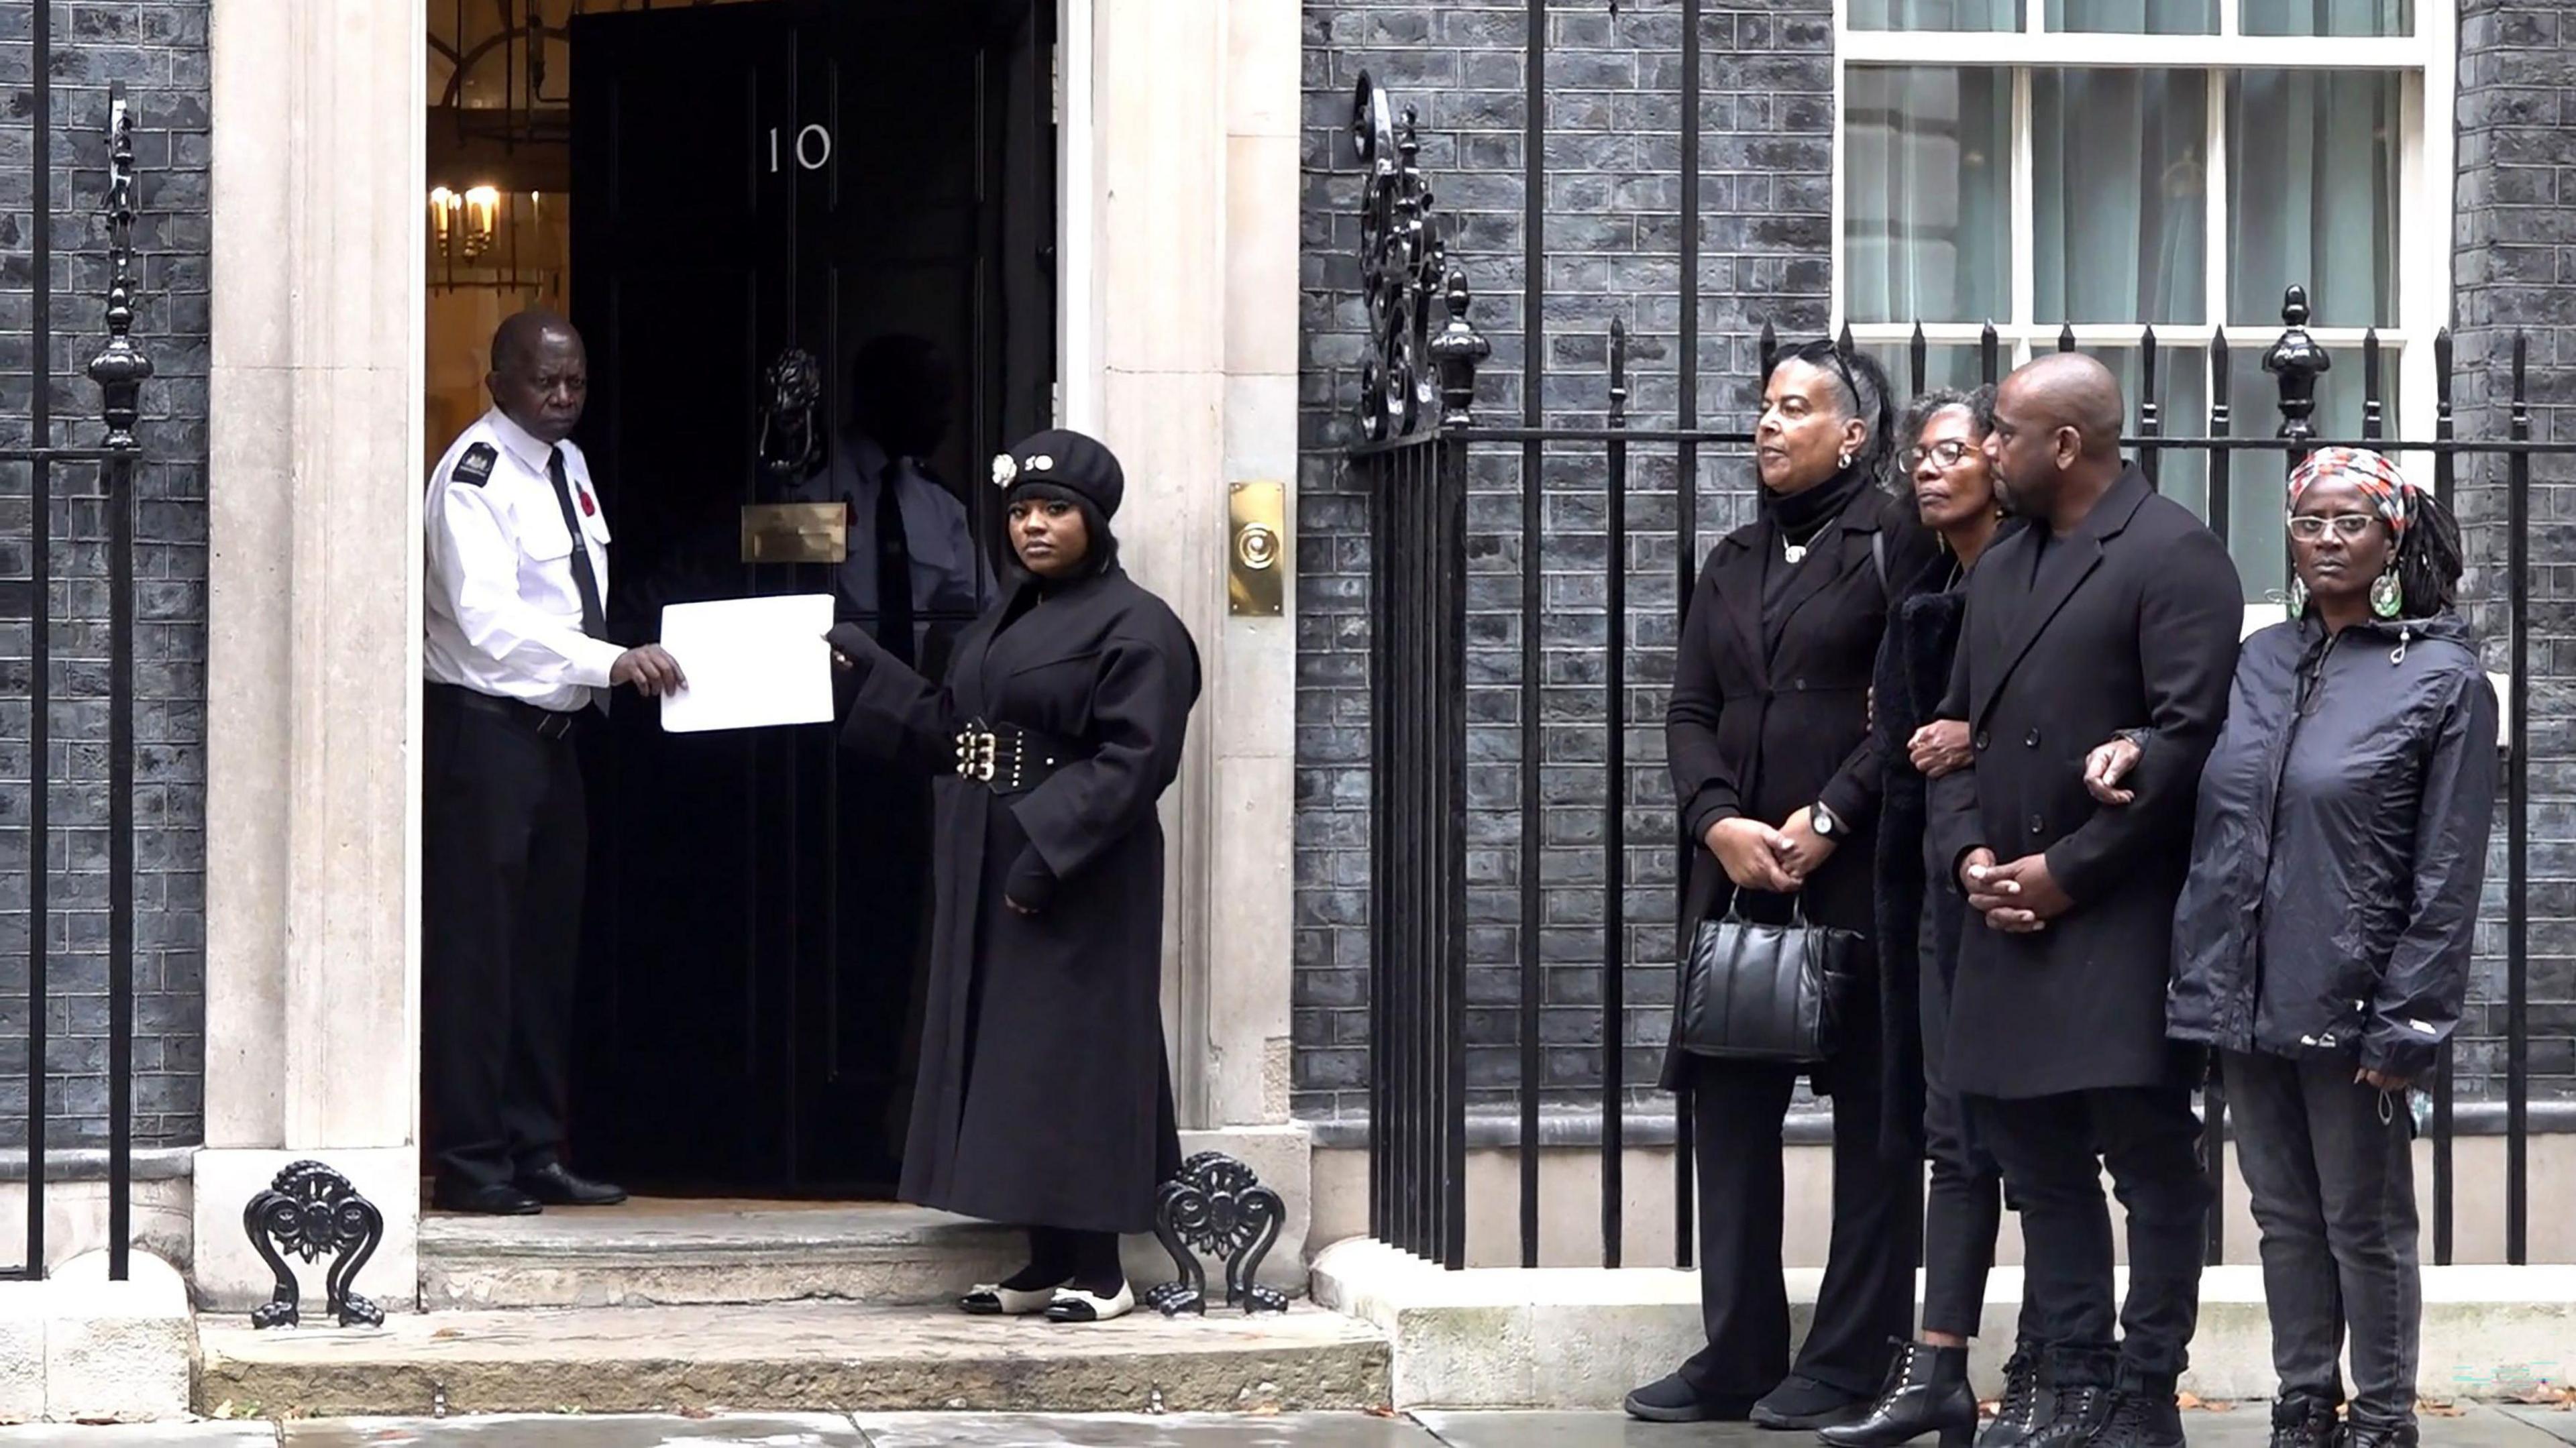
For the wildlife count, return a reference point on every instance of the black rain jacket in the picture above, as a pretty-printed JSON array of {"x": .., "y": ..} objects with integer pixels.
[{"x": 2340, "y": 846}]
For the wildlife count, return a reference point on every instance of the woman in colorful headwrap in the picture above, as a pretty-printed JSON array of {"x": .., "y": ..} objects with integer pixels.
[{"x": 2322, "y": 940}]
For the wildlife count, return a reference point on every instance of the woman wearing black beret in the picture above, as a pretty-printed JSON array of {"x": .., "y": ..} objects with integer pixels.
[{"x": 1043, "y": 1099}]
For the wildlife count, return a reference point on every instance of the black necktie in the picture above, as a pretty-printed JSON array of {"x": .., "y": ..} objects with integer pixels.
[
  {"x": 894, "y": 570},
  {"x": 594, "y": 618}
]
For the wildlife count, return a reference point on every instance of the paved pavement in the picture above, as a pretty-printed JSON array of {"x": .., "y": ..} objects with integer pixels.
[{"x": 2478, "y": 1427}]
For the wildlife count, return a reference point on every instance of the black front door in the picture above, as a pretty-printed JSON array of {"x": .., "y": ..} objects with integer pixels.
[{"x": 863, "y": 182}]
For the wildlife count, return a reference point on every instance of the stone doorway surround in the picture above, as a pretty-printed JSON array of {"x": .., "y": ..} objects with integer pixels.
[{"x": 1181, "y": 164}]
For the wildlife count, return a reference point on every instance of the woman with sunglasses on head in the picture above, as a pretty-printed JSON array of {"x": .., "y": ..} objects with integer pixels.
[
  {"x": 2322, "y": 940},
  {"x": 1943, "y": 465},
  {"x": 1778, "y": 781}
]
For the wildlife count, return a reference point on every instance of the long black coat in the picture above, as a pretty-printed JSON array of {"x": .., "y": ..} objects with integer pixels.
[
  {"x": 1917, "y": 930},
  {"x": 1043, "y": 1097},
  {"x": 2129, "y": 622},
  {"x": 1766, "y": 732}
]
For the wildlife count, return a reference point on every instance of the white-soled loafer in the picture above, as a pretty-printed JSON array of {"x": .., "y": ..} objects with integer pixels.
[
  {"x": 987, "y": 1299},
  {"x": 1072, "y": 1304}
]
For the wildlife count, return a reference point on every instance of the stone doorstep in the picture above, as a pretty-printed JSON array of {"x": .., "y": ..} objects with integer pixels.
[
  {"x": 674, "y": 1253},
  {"x": 797, "y": 1356},
  {"x": 76, "y": 1346},
  {"x": 1573, "y": 1338}
]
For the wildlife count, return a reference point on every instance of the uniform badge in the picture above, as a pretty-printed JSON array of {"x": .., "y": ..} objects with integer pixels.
[
  {"x": 1043, "y": 463},
  {"x": 1005, "y": 469},
  {"x": 475, "y": 468}
]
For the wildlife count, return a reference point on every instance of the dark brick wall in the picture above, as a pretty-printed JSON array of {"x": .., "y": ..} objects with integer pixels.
[
  {"x": 1612, "y": 230},
  {"x": 157, "y": 48},
  {"x": 2514, "y": 268}
]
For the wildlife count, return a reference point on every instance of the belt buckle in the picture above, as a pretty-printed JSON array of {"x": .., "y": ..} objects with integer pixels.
[{"x": 977, "y": 752}]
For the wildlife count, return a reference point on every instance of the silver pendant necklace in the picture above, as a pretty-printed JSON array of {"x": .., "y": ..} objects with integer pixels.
[{"x": 1795, "y": 552}]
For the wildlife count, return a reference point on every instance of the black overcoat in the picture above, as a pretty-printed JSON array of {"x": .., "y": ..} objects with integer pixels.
[
  {"x": 1043, "y": 1097},
  {"x": 1767, "y": 731},
  {"x": 2130, "y": 622}
]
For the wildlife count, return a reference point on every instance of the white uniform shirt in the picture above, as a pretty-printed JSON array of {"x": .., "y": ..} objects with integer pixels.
[
  {"x": 935, "y": 531},
  {"x": 504, "y": 615}
]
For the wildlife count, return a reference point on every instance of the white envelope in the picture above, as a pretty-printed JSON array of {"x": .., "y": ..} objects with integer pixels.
[{"x": 751, "y": 663}]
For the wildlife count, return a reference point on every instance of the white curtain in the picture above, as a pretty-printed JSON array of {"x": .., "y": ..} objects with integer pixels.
[
  {"x": 2135, "y": 17},
  {"x": 1927, "y": 212},
  {"x": 2312, "y": 181},
  {"x": 1936, "y": 15},
  {"x": 2120, "y": 195},
  {"x": 2326, "y": 17}
]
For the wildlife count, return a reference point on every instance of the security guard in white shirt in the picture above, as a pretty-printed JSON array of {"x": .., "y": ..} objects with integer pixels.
[{"x": 516, "y": 654}]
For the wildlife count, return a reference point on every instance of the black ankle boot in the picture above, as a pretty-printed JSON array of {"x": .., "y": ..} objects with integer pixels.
[
  {"x": 2358, "y": 1434},
  {"x": 1926, "y": 1392},
  {"x": 2024, "y": 1408},
  {"x": 2303, "y": 1421},
  {"x": 2075, "y": 1416}
]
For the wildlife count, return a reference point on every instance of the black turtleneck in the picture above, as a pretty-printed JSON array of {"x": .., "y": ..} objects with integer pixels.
[{"x": 1795, "y": 519}]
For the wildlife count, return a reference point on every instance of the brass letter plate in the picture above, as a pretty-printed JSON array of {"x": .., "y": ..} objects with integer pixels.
[
  {"x": 1256, "y": 564},
  {"x": 795, "y": 532}
]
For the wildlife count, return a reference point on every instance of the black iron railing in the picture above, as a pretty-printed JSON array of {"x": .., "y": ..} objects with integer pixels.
[
  {"x": 120, "y": 369},
  {"x": 1423, "y": 449}
]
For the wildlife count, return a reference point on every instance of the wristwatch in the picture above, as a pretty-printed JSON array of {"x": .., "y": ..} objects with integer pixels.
[{"x": 1823, "y": 821}]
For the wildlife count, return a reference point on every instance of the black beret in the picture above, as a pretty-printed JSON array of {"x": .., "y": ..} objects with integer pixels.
[{"x": 1076, "y": 462}]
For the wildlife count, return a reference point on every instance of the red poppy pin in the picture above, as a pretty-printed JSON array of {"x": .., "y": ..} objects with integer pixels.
[{"x": 589, "y": 509}]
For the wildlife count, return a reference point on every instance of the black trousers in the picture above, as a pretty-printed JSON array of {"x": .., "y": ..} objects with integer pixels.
[
  {"x": 2053, "y": 1150},
  {"x": 1964, "y": 1207},
  {"x": 504, "y": 840},
  {"x": 1868, "y": 1292}
]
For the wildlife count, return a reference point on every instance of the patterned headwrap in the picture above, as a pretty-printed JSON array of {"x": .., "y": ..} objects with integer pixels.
[{"x": 2378, "y": 479}]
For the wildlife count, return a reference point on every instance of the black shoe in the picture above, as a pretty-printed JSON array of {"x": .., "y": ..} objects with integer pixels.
[
  {"x": 1926, "y": 1392},
  {"x": 1671, "y": 1399},
  {"x": 2303, "y": 1421},
  {"x": 2141, "y": 1419},
  {"x": 500, "y": 1199},
  {"x": 556, "y": 1186},
  {"x": 2024, "y": 1408},
  {"x": 2358, "y": 1434},
  {"x": 1802, "y": 1402},
  {"x": 2076, "y": 1416}
]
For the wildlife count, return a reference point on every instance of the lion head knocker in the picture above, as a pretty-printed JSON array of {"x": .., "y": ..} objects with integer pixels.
[{"x": 791, "y": 445}]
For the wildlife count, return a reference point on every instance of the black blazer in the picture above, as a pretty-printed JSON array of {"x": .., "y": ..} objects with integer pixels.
[
  {"x": 2130, "y": 622},
  {"x": 1768, "y": 732}
]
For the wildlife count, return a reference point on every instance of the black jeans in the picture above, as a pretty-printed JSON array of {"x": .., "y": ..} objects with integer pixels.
[
  {"x": 504, "y": 843},
  {"x": 1965, "y": 1205},
  {"x": 1868, "y": 1293},
  {"x": 2052, "y": 1150},
  {"x": 2330, "y": 1165}
]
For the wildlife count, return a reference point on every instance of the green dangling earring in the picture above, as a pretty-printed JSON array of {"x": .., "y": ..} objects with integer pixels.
[
  {"x": 2296, "y": 602},
  {"x": 2386, "y": 598}
]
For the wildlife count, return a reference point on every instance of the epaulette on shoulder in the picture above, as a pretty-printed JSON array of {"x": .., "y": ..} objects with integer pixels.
[{"x": 475, "y": 468}]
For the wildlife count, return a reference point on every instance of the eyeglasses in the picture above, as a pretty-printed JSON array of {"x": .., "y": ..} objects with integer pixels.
[
  {"x": 2308, "y": 527},
  {"x": 1949, "y": 452}
]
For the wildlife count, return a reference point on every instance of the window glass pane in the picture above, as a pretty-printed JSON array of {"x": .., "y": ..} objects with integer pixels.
[
  {"x": 2326, "y": 17},
  {"x": 2256, "y": 494},
  {"x": 2136, "y": 17},
  {"x": 2182, "y": 407},
  {"x": 2121, "y": 195},
  {"x": 1954, "y": 367},
  {"x": 1926, "y": 208},
  {"x": 1936, "y": 14},
  {"x": 2312, "y": 194}
]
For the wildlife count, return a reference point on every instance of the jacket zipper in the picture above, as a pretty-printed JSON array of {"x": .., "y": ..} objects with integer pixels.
[{"x": 2309, "y": 684}]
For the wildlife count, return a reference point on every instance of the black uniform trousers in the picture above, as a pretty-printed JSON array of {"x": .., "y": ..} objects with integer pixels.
[
  {"x": 504, "y": 840},
  {"x": 2053, "y": 1150},
  {"x": 1867, "y": 1298}
]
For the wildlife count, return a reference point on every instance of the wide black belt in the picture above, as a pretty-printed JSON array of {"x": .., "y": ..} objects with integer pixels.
[
  {"x": 1009, "y": 759},
  {"x": 544, "y": 723}
]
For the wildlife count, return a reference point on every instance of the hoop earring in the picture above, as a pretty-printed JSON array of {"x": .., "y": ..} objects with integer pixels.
[
  {"x": 2387, "y": 597},
  {"x": 2297, "y": 600},
  {"x": 1844, "y": 461}
]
